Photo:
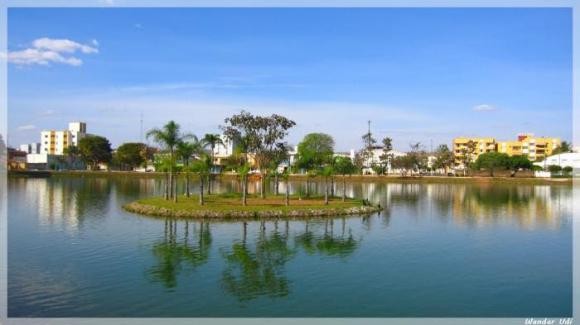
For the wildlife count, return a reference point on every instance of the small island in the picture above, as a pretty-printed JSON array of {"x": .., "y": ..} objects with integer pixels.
[{"x": 229, "y": 206}]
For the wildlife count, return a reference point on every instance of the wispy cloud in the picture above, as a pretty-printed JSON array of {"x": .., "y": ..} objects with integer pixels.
[
  {"x": 484, "y": 108},
  {"x": 44, "y": 51},
  {"x": 138, "y": 26},
  {"x": 27, "y": 127}
]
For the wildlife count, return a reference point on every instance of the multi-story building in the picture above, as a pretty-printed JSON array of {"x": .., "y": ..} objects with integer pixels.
[
  {"x": 536, "y": 148},
  {"x": 471, "y": 146},
  {"x": 55, "y": 142},
  {"x": 31, "y": 148},
  {"x": 224, "y": 150}
]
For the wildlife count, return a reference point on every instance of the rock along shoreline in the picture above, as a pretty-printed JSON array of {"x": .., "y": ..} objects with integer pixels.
[{"x": 150, "y": 210}]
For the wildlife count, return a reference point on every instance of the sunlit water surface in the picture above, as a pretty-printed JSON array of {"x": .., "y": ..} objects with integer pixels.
[{"x": 437, "y": 250}]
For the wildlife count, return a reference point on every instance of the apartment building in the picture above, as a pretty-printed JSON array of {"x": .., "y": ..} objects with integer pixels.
[
  {"x": 55, "y": 142},
  {"x": 472, "y": 146},
  {"x": 536, "y": 148}
]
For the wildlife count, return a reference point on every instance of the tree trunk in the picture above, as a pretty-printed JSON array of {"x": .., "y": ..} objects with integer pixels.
[
  {"x": 262, "y": 185},
  {"x": 166, "y": 194},
  {"x": 343, "y": 188},
  {"x": 325, "y": 190},
  {"x": 332, "y": 186},
  {"x": 187, "y": 192},
  {"x": 287, "y": 193},
  {"x": 201, "y": 190},
  {"x": 175, "y": 191},
  {"x": 244, "y": 190},
  {"x": 276, "y": 190},
  {"x": 307, "y": 186},
  {"x": 170, "y": 183},
  {"x": 209, "y": 184}
]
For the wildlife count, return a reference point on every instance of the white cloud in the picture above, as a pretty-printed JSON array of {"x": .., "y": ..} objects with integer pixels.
[
  {"x": 62, "y": 46},
  {"x": 484, "y": 108},
  {"x": 46, "y": 50},
  {"x": 27, "y": 127}
]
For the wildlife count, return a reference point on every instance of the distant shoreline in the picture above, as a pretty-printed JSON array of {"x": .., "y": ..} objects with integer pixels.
[{"x": 338, "y": 178}]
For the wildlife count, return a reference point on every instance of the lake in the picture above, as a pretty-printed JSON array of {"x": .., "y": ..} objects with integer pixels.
[{"x": 437, "y": 250}]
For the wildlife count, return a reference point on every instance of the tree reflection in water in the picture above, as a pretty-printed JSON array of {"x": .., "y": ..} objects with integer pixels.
[
  {"x": 342, "y": 244},
  {"x": 259, "y": 272},
  {"x": 171, "y": 255}
]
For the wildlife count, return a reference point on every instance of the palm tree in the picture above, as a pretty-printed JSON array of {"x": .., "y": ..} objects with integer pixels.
[
  {"x": 168, "y": 137},
  {"x": 202, "y": 167},
  {"x": 163, "y": 165},
  {"x": 185, "y": 150},
  {"x": 211, "y": 141}
]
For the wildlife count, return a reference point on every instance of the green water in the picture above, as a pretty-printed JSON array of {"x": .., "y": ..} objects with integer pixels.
[{"x": 437, "y": 250}]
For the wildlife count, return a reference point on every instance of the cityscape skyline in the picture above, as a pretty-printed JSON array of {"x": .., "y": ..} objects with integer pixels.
[{"x": 412, "y": 72}]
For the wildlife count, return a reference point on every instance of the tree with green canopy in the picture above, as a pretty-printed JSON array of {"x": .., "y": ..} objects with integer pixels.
[
  {"x": 259, "y": 135},
  {"x": 564, "y": 147},
  {"x": 202, "y": 167},
  {"x": 491, "y": 161},
  {"x": 443, "y": 158},
  {"x": 95, "y": 150},
  {"x": 554, "y": 169},
  {"x": 212, "y": 141},
  {"x": 168, "y": 137},
  {"x": 387, "y": 156},
  {"x": 344, "y": 166},
  {"x": 516, "y": 163},
  {"x": 130, "y": 155},
  {"x": 466, "y": 155},
  {"x": 185, "y": 150},
  {"x": 314, "y": 152}
]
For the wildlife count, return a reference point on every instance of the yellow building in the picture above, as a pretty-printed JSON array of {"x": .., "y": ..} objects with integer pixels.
[
  {"x": 55, "y": 142},
  {"x": 536, "y": 148},
  {"x": 473, "y": 147}
]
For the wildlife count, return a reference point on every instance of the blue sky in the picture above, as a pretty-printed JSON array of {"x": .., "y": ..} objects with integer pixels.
[{"x": 421, "y": 75}]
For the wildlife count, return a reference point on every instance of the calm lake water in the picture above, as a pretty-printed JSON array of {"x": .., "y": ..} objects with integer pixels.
[{"x": 437, "y": 250}]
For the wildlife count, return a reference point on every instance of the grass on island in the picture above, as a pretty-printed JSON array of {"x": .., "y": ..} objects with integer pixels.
[{"x": 230, "y": 206}]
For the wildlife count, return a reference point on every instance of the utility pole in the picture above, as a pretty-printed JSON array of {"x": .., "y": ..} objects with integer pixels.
[{"x": 141, "y": 129}]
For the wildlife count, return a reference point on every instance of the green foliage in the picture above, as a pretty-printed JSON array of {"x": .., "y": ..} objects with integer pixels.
[
  {"x": 563, "y": 148},
  {"x": 554, "y": 168},
  {"x": 568, "y": 170},
  {"x": 168, "y": 136},
  {"x": 444, "y": 157},
  {"x": 95, "y": 150},
  {"x": 344, "y": 166},
  {"x": 260, "y": 135},
  {"x": 519, "y": 162},
  {"x": 491, "y": 161},
  {"x": 315, "y": 150},
  {"x": 131, "y": 154}
]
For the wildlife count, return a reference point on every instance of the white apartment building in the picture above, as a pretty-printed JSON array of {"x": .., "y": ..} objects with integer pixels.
[
  {"x": 55, "y": 142},
  {"x": 33, "y": 148},
  {"x": 375, "y": 159}
]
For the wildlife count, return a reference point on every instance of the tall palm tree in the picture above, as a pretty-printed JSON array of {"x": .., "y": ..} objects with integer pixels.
[
  {"x": 202, "y": 168},
  {"x": 168, "y": 137},
  {"x": 211, "y": 141},
  {"x": 185, "y": 150}
]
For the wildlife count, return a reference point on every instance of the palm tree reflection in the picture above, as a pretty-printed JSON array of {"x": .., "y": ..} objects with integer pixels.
[
  {"x": 171, "y": 255},
  {"x": 258, "y": 272}
]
